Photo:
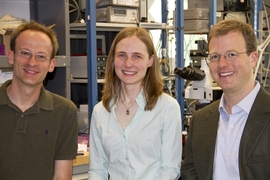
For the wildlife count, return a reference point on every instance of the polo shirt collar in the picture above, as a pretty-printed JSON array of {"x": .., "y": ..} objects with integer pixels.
[{"x": 45, "y": 100}]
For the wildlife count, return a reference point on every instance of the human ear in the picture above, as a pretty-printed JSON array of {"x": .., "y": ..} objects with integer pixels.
[
  {"x": 10, "y": 57},
  {"x": 151, "y": 61},
  {"x": 254, "y": 58},
  {"x": 52, "y": 65}
]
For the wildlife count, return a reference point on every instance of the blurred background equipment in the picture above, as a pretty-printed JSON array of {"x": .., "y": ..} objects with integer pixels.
[{"x": 201, "y": 87}]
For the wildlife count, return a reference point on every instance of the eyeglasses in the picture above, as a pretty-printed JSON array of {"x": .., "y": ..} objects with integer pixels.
[
  {"x": 229, "y": 56},
  {"x": 27, "y": 55}
]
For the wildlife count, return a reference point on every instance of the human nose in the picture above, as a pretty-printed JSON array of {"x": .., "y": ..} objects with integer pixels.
[
  {"x": 223, "y": 60},
  {"x": 129, "y": 62},
  {"x": 32, "y": 59}
]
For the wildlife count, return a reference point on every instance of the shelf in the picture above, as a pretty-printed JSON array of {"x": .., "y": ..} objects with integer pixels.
[
  {"x": 4, "y": 62},
  {"x": 201, "y": 31},
  {"x": 78, "y": 81},
  {"x": 61, "y": 61},
  {"x": 85, "y": 80},
  {"x": 118, "y": 26}
]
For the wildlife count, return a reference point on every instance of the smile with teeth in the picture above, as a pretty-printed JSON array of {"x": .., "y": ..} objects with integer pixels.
[
  {"x": 29, "y": 71},
  {"x": 129, "y": 72},
  {"x": 226, "y": 74}
]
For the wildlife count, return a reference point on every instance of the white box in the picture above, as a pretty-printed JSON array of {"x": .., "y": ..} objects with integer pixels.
[
  {"x": 78, "y": 66},
  {"x": 205, "y": 4},
  {"x": 132, "y": 3},
  {"x": 196, "y": 13},
  {"x": 196, "y": 25},
  {"x": 117, "y": 14}
]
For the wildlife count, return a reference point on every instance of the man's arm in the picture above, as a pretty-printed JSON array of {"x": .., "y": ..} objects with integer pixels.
[{"x": 62, "y": 170}]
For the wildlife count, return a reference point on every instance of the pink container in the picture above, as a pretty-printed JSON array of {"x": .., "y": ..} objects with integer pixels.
[{"x": 2, "y": 49}]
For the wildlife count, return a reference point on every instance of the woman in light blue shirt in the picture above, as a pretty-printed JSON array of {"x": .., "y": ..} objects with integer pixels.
[{"x": 135, "y": 130}]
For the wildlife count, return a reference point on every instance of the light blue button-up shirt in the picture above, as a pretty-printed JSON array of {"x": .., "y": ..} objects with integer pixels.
[
  {"x": 150, "y": 148},
  {"x": 230, "y": 129}
]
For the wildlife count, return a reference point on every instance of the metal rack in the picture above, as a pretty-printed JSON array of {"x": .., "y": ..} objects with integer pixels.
[
  {"x": 179, "y": 33},
  {"x": 92, "y": 27}
]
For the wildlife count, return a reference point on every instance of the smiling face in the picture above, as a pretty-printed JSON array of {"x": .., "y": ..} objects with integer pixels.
[
  {"x": 131, "y": 61},
  {"x": 29, "y": 71},
  {"x": 232, "y": 76}
]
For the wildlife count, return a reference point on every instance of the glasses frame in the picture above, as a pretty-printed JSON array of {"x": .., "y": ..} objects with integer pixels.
[
  {"x": 30, "y": 55},
  {"x": 224, "y": 55}
]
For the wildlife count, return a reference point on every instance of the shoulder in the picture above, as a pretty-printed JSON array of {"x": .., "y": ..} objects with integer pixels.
[
  {"x": 58, "y": 98},
  {"x": 99, "y": 108},
  {"x": 262, "y": 100},
  {"x": 210, "y": 108},
  {"x": 48, "y": 99},
  {"x": 263, "y": 94},
  {"x": 168, "y": 99},
  {"x": 165, "y": 101},
  {"x": 64, "y": 101}
]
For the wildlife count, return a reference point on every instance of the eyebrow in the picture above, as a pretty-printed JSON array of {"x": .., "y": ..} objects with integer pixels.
[
  {"x": 39, "y": 52},
  {"x": 136, "y": 53},
  {"x": 118, "y": 52},
  {"x": 231, "y": 50}
]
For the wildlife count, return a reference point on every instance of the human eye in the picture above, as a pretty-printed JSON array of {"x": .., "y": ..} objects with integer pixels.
[
  {"x": 26, "y": 54},
  {"x": 137, "y": 56},
  {"x": 213, "y": 57},
  {"x": 41, "y": 57},
  {"x": 231, "y": 55},
  {"x": 121, "y": 55}
]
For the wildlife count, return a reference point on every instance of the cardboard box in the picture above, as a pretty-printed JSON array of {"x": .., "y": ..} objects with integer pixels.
[{"x": 8, "y": 23}]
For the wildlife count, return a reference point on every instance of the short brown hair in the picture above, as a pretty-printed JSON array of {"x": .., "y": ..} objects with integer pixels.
[
  {"x": 32, "y": 25},
  {"x": 223, "y": 27}
]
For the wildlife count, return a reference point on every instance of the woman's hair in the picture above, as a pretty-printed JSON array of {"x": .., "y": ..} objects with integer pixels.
[
  {"x": 222, "y": 28},
  {"x": 152, "y": 82},
  {"x": 34, "y": 26}
]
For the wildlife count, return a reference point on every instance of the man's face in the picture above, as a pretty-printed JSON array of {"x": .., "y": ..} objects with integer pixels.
[
  {"x": 31, "y": 59},
  {"x": 234, "y": 76}
]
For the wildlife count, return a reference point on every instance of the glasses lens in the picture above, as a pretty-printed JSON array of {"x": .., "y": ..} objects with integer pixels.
[
  {"x": 213, "y": 57},
  {"x": 25, "y": 54},
  {"x": 41, "y": 57},
  {"x": 230, "y": 56}
]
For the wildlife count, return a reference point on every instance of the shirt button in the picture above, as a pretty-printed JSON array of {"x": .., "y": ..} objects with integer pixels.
[{"x": 231, "y": 126}]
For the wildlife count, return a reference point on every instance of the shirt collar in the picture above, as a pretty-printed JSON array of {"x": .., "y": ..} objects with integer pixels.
[
  {"x": 244, "y": 104},
  {"x": 45, "y": 100}
]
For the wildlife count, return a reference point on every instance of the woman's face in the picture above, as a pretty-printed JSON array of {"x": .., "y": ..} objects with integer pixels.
[{"x": 131, "y": 61}]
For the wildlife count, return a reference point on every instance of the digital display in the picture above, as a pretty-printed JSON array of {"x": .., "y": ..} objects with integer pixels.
[{"x": 120, "y": 11}]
